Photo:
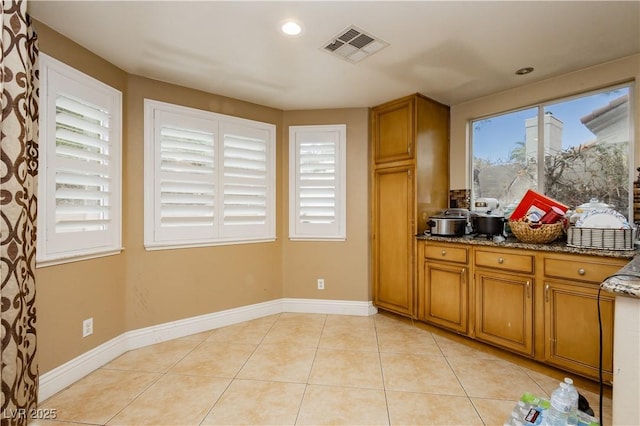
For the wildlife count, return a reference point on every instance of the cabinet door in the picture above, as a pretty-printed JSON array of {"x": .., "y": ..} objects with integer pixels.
[
  {"x": 504, "y": 311},
  {"x": 445, "y": 296},
  {"x": 394, "y": 131},
  {"x": 393, "y": 239},
  {"x": 571, "y": 328}
]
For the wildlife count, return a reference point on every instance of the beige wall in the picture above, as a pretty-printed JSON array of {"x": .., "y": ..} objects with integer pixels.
[
  {"x": 167, "y": 285},
  {"x": 593, "y": 78},
  {"x": 344, "y": 265},
  {"x": 140, "y": 288},
  {"x": 67, "y": 294}
]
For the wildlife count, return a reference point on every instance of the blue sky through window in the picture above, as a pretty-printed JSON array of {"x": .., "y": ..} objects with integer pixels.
[{"x": 495, "y": 137}]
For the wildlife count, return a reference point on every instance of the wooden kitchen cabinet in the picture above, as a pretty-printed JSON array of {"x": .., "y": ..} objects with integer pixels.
[
  {"x": 409, "y": 163},
  {"x": 394, "y": 127},
  {"x": 539, "y": 304},
  {"x": 443, "y": 286},
  {"x": 504, "y": 302},
  {"x": 571, "y": 327},
  {"x": 393, "y": 243}
]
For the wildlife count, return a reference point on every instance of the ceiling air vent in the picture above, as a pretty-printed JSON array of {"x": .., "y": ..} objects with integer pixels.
[{"x": 353, "y": 44}]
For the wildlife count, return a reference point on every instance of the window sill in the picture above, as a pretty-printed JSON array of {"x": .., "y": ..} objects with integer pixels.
[{"x": 76, "y": 258}]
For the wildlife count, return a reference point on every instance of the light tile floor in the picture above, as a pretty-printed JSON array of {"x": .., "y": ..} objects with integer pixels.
[{"x": 310, "y": 369}]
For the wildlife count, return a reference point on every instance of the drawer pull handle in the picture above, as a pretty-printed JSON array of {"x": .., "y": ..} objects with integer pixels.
[
  {"x": 443, "y": 252},
  {"x": 546, "y": 293},
  {"x": 500, "y": 260},
  {"x": 581, "y": 271}
]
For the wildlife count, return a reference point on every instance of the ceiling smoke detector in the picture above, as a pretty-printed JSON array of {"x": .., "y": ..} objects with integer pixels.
[{"x": 353, "y": 44}]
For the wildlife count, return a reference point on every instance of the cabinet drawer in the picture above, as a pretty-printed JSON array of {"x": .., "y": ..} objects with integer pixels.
[
  {"x": 504, "y": 261},
  {"x": 594, "y": 272},
  {"x": 447, "y": 253}
]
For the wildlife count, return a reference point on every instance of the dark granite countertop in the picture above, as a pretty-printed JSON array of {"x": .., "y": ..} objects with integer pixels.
[{"x": 556, "y": 247}]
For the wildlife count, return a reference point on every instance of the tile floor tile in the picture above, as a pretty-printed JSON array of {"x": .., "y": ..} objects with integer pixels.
[
  {"x": 451, "y": 348},
  {"x": 281, "y": 363},
  {"x": 347, "y": 369},
  {"x": 426, "y": 409},
  {"x": 296, "y": 329},
  {"x": 350, "y": 338},
  {"x": 493, "y": 378},
  {"x": 494, "y": 412},
  {"x": 350, "y": 321},
  {"x": 215, "y": 359},
  {"x": 249, "y": 332},
  {"x": 155, "y": 358},
  {"x": 294, "y": 368},
  {"x": 407, "y": 340},
  {"x": 250, "y": 402},
  {"x": 173, "y": 400},
  {"x": 419, "y": 373},
  {"x": 99, "y": 396},
  {"x": 330, "y": 405}
]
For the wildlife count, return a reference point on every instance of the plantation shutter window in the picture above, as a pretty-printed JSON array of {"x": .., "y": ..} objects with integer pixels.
[
  {"x": 184, "y": 179},
  {"x": 317, "y": 182},
  {"x": 247, "y": 177},
  {"x": 80, "y": 180},
  {"x": 209, "y": 178}
]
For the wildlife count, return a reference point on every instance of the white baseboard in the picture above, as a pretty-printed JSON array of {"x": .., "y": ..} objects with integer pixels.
[{"x": 60, "y": 377}]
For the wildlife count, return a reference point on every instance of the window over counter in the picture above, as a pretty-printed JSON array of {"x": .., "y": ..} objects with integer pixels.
[
  {"x": 209, "y": 178},
  {"x": 583, "y": 150},
  {"x": 317, "y": 182},
  {"x": 79, "y": 201}
]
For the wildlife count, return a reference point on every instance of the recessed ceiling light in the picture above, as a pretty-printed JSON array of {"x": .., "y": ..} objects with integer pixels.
[
  {"x": 291, "y": 28},
  {"x": 524, "y": 71}
]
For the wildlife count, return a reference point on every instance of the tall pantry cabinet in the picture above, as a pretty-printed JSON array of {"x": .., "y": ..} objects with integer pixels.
[{"x": 409, "y": 158}]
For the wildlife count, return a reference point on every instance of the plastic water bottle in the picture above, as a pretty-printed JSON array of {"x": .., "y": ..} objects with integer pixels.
[
  {"x": 573, "y": 414},
  {"x": 558, "y": 412}
]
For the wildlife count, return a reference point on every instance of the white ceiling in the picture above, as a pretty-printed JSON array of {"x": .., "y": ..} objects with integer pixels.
[{"x": 451, "y": 51}]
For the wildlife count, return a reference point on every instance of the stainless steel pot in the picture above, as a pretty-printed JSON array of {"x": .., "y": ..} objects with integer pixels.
[{"x": 447, "y": 226}]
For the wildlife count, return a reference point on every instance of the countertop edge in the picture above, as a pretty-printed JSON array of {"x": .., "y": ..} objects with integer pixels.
[
  {"x": 555, "y": 247},
  {"x": 625, "y": 282}
]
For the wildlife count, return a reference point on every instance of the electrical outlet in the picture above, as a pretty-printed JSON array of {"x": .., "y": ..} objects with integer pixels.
[
  {"x": 87, "y": 327},
  {"x": 320, "y": 283}
]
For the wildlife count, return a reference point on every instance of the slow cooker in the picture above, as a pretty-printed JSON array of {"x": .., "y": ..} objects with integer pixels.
[
  {"x": 489, "y": 225},
  {"x": 451, "y": 223}
]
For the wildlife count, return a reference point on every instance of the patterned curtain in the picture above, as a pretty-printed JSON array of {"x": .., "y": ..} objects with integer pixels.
[{"x": 18, "y": 181}]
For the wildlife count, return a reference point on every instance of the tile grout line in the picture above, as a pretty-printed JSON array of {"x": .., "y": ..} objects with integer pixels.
[
  {"x": 384, "y": 385},
  {"x": 235, "y": 377},
  {"x": 306, "y": 385}
]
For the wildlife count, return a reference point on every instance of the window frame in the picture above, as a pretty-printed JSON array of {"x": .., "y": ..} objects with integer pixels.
[
  {"x": 218, "y": 234},
  {"x": 56, "y": 247},
  {"x": 298, "y": 230},
  {"x": 540, "y": 106}
]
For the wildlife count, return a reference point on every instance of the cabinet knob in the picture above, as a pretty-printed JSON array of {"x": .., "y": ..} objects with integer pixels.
[
  {"x": 443, "y": 252},
  {"x": 581, "y": 271},
  {"x": 500, "y": 260}
]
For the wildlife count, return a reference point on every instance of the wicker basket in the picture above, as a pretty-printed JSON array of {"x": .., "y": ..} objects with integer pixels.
[{"x": 543, "y": 234}]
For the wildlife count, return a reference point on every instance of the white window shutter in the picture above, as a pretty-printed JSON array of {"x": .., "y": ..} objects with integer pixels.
[
  {"x": 248, "y": 181},
  {"x": 209, "y": 178},
  {"x": 80, "y": 180},
  {"x": 317, "y": 182},
  {"x": 183, "y": 175}
]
